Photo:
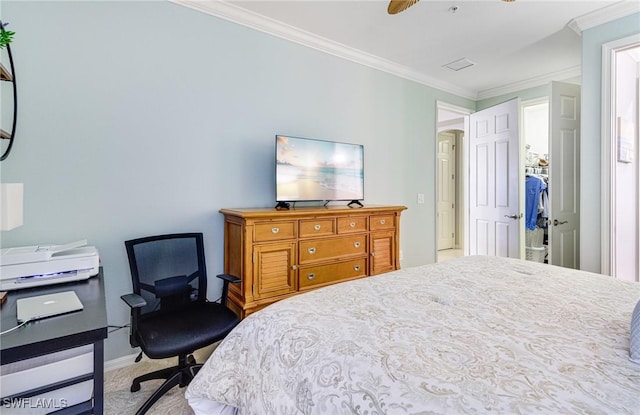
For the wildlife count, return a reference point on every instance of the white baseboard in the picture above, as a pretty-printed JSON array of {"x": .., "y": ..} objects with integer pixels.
[
  {"x": 120, "y": 362},
  {"x": 124, "y": 361}
]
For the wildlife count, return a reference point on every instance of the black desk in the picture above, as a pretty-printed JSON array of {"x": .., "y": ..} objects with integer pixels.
[{"x": 53, "y": 334}]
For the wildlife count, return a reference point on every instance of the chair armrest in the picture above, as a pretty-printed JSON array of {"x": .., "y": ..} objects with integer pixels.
[
  {"x": 133, "y": 300},
  {"x": 226, "y": 279},
  {"x": 229, "y": 278}
]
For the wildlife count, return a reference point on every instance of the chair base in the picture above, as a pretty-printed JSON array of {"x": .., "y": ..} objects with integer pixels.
[{"x": 179, "y": 375}]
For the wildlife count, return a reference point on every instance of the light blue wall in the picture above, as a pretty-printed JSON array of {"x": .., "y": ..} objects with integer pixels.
[
  {"x": 141, "y": 118},
  {"x": 524, "y": 95},
  {"x": 590, "y": 146}
]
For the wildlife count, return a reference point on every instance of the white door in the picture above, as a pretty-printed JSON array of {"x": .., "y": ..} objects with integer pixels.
[
  {"x": 446, "y": 190},
  {"x": 564, "y": 174},
  {"x": 496, "y": 223}
]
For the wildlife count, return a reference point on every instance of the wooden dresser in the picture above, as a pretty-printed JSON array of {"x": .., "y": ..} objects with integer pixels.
[{"x": 280, "y": 253}]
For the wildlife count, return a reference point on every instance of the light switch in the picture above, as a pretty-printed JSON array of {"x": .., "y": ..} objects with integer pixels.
[{"x": 420, "y": 198}]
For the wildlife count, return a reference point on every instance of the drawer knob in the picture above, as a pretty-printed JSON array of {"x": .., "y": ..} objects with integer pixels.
[
  {"x": 311, "y": 276},
  {"x": 382, "y": 221},
  {"x": 356, "y": 244},
  {"x": 312, "y": 250},
  {"x": 373, "y": 254},
  {"x": 293, "y": 267},
  {"x": 356, "y": 268},
  {"x": 352, "y": 224},
  {"x": 316, "y": 227},
  {"x": 275, "y": 230}
]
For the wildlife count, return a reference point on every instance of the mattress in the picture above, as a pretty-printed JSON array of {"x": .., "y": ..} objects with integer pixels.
[{"x": 468, "y": 336}]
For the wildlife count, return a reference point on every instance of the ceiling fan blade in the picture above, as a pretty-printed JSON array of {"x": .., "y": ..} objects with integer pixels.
[{"x": 397, "y": 6}]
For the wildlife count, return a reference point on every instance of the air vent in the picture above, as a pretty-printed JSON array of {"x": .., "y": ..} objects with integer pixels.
[{"x": 459, "y": 64}]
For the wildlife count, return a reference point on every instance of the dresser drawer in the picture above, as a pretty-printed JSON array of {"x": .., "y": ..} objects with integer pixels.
[
  {"x": 352, "y": 224},
  {"x": 317, "y": 227},
  {"x": 322, "y": 249},
  {"x": 273, "y": 231},
  {"x": 328, "y": 274},
  {"x": 379, "y": 222}
]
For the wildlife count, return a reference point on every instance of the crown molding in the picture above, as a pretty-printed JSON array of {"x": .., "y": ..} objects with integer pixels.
[
  {"x": 442, "y": 105},
  {"x": 604, "y": 15},
  {"x": 247, "y": 18},
  {"x": 239, "y": 15},
  {"x": 572, "y": 72}
]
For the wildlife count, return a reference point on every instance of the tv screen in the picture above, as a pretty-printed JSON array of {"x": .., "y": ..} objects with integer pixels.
[{"x": 317, "y": 170}]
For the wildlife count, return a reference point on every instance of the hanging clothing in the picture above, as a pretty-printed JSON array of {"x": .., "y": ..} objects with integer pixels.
[
  {"x": 543, "y": 214},
  {"x": 533, "y": 191}
]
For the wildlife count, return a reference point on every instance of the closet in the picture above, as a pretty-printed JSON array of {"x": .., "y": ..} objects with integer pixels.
[
  {"x": 550, "y": 126},
  {"x": 536, "y": 135}
]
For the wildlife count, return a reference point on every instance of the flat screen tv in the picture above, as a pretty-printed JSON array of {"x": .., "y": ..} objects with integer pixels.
[{"x": 318, "y": 170}]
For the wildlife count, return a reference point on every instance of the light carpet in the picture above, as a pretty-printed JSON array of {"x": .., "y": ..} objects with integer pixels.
[{"x": 119, "y": 400}]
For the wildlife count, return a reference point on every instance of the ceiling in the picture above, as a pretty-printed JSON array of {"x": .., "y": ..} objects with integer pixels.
[{"x": 512, "y": 45}]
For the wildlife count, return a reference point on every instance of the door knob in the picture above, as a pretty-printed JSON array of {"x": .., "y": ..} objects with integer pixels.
[
  {"x": 513, "y": 216},
  {"x": 556, "y": 222}
]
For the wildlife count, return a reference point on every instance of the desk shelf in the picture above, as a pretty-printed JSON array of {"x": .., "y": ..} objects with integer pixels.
[{"x": 59, "y": 335}]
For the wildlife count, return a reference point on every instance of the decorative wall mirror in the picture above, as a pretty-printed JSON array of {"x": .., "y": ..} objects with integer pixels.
[{"x": 8, "y": 92}]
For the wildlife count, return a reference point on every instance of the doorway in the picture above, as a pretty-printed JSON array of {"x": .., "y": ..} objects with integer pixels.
[
  {"x": 620, "y": 158},
  {"x": 450, "y": 181},
  {"x": 496, "y": 201},
  {"x": 551, "y": 130},
  {"x": 447, "y": 192}
]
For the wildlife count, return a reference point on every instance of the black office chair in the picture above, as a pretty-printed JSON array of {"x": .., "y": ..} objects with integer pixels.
[{"x": 170, "y": 315}]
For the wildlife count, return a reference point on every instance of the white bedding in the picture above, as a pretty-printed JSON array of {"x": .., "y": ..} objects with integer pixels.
[{"x": 474, "y": 335}]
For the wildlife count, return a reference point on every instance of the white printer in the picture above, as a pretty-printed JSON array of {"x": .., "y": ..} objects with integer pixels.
[{"x": 31, "y": 266}]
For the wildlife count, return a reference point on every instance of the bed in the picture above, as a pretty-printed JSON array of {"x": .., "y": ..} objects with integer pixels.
[{"x": 473, "y": 335}]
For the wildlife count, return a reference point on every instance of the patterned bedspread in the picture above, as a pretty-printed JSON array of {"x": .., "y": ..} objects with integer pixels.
[{"x": 474, "y": 335}]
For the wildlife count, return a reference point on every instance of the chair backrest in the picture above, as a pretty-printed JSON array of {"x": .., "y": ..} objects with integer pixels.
[{"x": 168, "y": 271}]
